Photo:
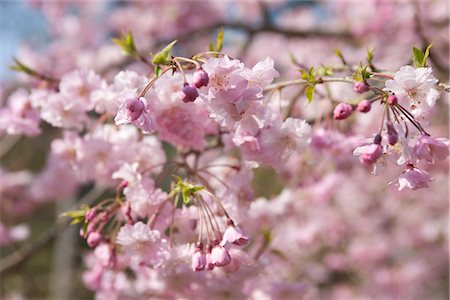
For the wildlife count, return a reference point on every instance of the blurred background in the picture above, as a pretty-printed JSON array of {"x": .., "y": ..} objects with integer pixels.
[{"x": 42, "y": 258}]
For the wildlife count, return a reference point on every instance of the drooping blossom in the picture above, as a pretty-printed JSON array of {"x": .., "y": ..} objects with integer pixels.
[
  {"x": 413, "y": 179},
  {"x": 431, "y": 149},
  {"x": 136, "y": 112},
  {"x": 368, "y": 154},
  {"x": 234, "y": 235}
]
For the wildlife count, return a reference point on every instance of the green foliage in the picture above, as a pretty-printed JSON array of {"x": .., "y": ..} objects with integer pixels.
[
  {"x": 340, "y": 55},
  {"x": 362, "y": 74},
  {"x": 310, "y": 78},
  {"x": 369, "y": 55},
  {"x": 158, "y": 71},
  {"x": 186, "y": 189},
  {"x": 77, "y": 216},
  {"x": 419, "y": 57},
  {"x": 164, "y": 56},
  {"x": 126, "y": 43},
  {"x": 22, "y": 68},
  {"x": 219, "y": 42}
]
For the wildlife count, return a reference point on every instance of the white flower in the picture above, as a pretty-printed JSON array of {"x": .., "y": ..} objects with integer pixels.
[{"x": 416, "y": 85}]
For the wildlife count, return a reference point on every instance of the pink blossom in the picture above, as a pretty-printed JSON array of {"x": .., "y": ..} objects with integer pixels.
[
  {"x": 20, "y": 117},
  {"x": 234, "y": 235},
  {"x": 220, "y": 256},
  {"x": 142, "y": 244},
  {"x": 79, "y": 85},
  {"x": 429, "y": 148},
  {"x": 413, "y": 179},
  {"x": 368, "y": 154},
  {"x": 136, "y": 112},
  {"x": 198, "y": 261},
  {"x": 140, "y": 191},
  {"x": 417, "y": 86}
]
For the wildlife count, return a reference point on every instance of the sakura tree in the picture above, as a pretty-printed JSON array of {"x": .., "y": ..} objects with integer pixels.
[{"x": 229, "y": 150}]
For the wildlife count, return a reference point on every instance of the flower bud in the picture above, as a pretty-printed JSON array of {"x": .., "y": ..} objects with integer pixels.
[
  {"x": 369, "y": 154},
  {"x": 200, "y": 78},
  {"x": 392, "y": 134},
  {"x": 392, "y": 100},
  {"x": 364, "y": 106},
  {"x": 361, "y": 87},
  {"x": 94, "y": 239},
  {"x": 342, "y": 111},
  {"x": 90, "y": 214},
  {"x": 198, "y": 261},
  {"x": 188, "y": 93},
  {"x": 220, "y": 256}
]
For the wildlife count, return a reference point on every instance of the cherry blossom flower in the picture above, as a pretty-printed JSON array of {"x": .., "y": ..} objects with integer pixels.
[
  {"x": 417, "y": 86},
  {"x": 136, "y": 112},
  {"x": 431, "y": 149},
  {"x": 413, "y": 179},
  {"x": 142, "y": 244}
]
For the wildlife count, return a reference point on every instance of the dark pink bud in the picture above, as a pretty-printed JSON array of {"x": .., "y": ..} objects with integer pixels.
[
  {"x": 200, "y": 78},
  {"x": 392, "y": 100},
  {"x": 188, "y": 93},
  {"x": 135, "y": 107},
  {"x": 94, "y": 239},
  {"x": 364, "y": 106},
  {"x": 90, "y": 214},
  {"x": 392, "y": 134},
  {"x": 360, "y": 87},
  {"x": 342, "y": 111}
]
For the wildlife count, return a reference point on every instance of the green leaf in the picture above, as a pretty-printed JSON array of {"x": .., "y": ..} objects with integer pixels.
[
  {"x": 362, "y": 74},
  {"x": 126, "y": 43},
  {"x": 341, "y": 57},
  {"x": 77, "y": 220},
  {"x": 325, "y": 71},
  {"x": 219, "y": 40},
  {"x": 427, "y": 53},
  {"x": 418, "y": 57},
  {"x": 309, "y": 76},
  {"x": 74, "y": 214},
  {"x": 309, "y": 92},
  {"x": 211, "y": 46},
  {"x": 163, "y": 57},
  {"x": 369, "y": 55},
  {"x": 158, "y": 71},
  {"x": 22, "y": 68},
  {"x": 186, "y": 189}
]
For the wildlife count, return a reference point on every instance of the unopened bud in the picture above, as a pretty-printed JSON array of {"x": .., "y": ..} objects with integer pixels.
[{"x": 364, "y": 106}]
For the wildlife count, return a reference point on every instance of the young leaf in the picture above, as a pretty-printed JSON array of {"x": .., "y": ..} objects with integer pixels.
[
  {"x": 163, "y": 57},
  {"x": 427, "y": 53},
  {"x": 309, "y": 92},
  {"x": 158, "y": 71},
  {"x": 126, "y": 43},
  {"x": 22, "y": 68},
  {"x": 418, "y": 57},
  {"x": 340, "y": 55},
  {"x": 369, "y": 56},
  {"x": 219, "y": 41}
]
